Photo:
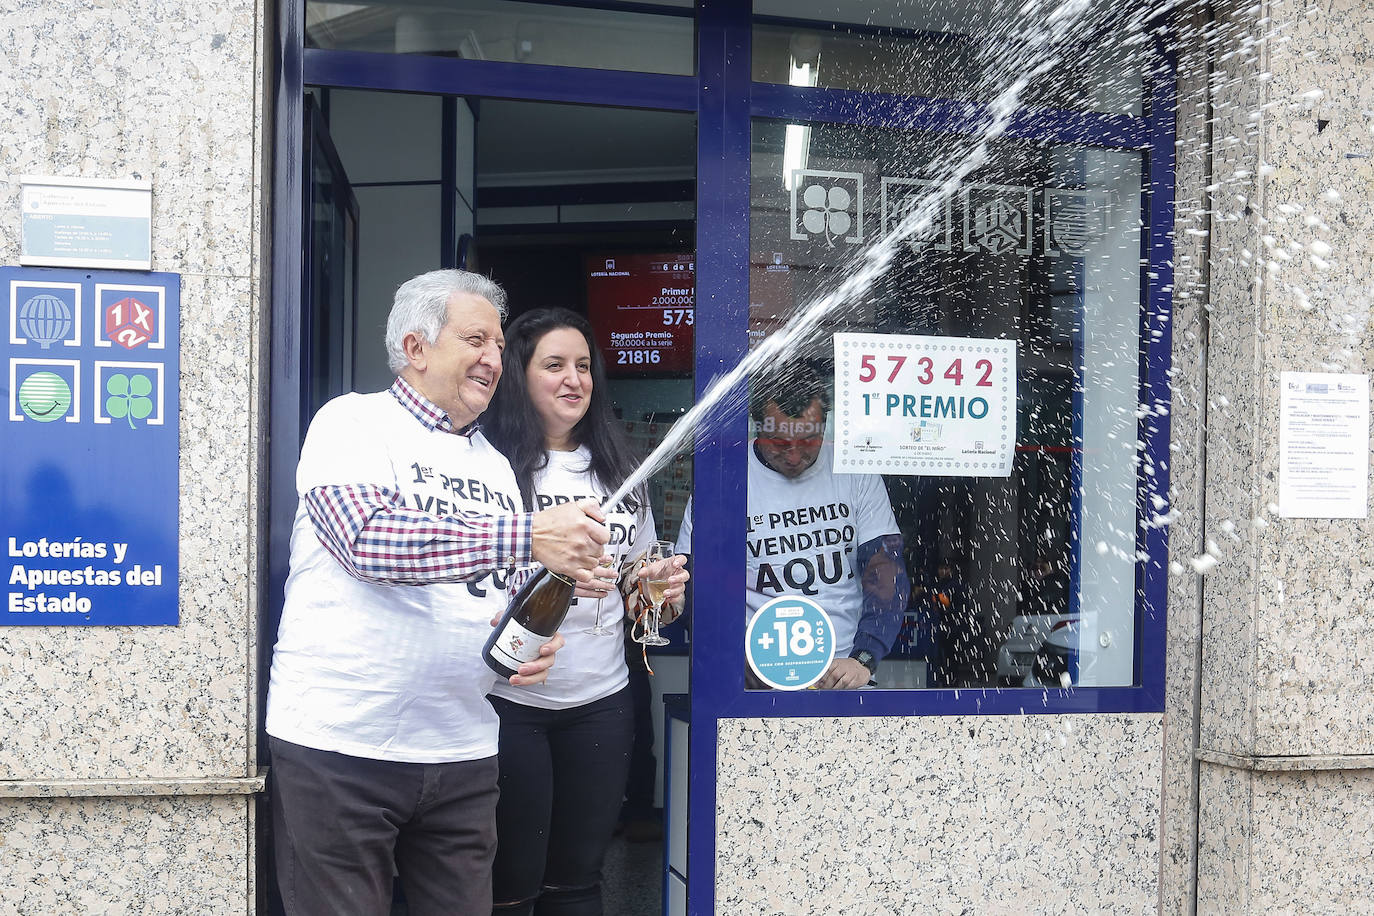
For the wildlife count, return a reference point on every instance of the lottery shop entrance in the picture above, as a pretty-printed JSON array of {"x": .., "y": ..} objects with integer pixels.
[{"x": 589, "y": 208}]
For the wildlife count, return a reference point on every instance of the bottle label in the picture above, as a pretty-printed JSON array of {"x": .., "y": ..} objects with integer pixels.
[{"x": 517, "y": 645}]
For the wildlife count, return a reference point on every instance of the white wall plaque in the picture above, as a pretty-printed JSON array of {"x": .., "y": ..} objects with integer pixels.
[
  {"x": 1323, "y": 445},
  {"x": 85, "y": 222}
]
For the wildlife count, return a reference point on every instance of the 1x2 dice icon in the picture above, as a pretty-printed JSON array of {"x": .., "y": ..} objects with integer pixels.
[{"x": 129, "y": 323}]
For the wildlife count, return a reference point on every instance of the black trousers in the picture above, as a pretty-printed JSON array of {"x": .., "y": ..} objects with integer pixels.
[
  {"x": 639, "y": 788},
  {"x": 343, "y": 826},
  {"x": 562, "y": 781}
]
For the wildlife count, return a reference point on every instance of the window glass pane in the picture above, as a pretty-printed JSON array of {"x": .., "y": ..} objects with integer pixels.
[
  {"x": 1023, "y": 576},
  {"x": 963, "y": 50},
  {"x": 505, "y": 30}
]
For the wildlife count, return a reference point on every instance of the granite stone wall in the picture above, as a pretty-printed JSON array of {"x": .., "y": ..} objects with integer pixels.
[
  {"x": 946, "y": 814},
  {"x": 1187, "y": 480},
  {"x": 1288, "y": 644},
  {"x": 163, "y": 855},
  {"x": 1289, "y": 839},
  {"x": 128, "y": 763},
  {"x": 1286, "y": 718}
]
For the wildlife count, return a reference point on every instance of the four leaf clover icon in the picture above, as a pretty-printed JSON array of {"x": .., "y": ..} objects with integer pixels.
[
  {"x": 128, "y": 397},
  {"x": 827, "y": 211}
]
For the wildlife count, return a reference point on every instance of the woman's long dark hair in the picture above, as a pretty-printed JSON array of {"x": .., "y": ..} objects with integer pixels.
[{"x": 512, "y": 425}]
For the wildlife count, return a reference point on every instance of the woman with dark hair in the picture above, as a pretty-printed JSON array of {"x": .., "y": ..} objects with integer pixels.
[{"x": 565, "y": 749}]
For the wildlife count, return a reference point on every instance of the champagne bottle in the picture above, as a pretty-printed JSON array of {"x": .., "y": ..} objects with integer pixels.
[{"x": 531, "y": 619}]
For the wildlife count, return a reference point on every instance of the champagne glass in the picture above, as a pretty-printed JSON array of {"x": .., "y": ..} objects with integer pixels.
[
  {"x": 651, "y": 588},
  {"x": 597, "y": 629}
]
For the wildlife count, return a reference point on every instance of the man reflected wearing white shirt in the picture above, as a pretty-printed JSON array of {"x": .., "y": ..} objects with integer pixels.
[{"x": 810, "y": 531}]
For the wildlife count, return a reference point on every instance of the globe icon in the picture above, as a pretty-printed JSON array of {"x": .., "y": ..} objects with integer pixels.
[{"x": 46, "y": 319}]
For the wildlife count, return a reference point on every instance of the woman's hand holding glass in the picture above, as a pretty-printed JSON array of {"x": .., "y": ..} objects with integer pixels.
[
  {"x": 662, "y": 579},
  {"x": 676, "y": 588}
]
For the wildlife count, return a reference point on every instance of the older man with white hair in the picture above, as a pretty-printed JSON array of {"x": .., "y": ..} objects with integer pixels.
[{"x": 408, "y": 527}]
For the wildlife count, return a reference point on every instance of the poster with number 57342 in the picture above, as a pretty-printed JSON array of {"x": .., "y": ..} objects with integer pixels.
[{"x": 929, "y": 406}]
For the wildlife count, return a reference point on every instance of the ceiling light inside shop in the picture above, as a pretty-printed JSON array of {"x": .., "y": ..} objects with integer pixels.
[{"x": 801, "y": 71}]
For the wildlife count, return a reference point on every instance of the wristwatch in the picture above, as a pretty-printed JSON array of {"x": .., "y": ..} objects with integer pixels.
[{"x": 867, "y": 659}]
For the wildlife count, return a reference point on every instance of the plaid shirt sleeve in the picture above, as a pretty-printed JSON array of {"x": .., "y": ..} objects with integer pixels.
[{"x": 373, "y": 536}]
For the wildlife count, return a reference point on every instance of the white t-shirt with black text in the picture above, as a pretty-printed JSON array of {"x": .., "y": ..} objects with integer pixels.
[
  {"x": 589, "y": 667},
  {"x": 388, "y": 672},
  {"x": 801, "y": 537}
]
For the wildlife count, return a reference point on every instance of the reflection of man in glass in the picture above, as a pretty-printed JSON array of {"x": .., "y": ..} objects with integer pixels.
[
  {"x": 831, "y": 537},
  {"x": 1044, "y": 588}
]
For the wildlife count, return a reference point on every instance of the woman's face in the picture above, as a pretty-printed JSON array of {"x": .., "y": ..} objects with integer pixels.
[{"x": 559, "y": 379}]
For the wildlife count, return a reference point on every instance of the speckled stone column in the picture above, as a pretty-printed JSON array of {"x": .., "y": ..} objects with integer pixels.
[
  {"x": 1286, "y": 718},
  {"x": 1192, "y": 220},
  {"x": 128, "y": 766}
]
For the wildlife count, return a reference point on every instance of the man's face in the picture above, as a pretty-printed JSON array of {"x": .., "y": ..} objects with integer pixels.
[
  {"x": 459, "y": 371},
  {"x": 790, "y": 445}
]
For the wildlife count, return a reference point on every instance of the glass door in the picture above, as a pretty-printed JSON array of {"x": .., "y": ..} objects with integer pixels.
[
  {"x": 589, "y": 208},
  {"x": 329, "y": 294}
]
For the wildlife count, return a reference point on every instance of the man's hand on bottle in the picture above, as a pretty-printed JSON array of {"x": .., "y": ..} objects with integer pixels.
[
  {"x": 570, "y": 539},
  {"x": 604, "y": 580}
]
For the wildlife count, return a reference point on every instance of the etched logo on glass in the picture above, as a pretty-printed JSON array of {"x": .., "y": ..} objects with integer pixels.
[
  {"x": 1075, "y": 221},
  {"x": 901, "y": 196},
  {"x": 997, "y": 219},
  {"x": 831, "y": 206}
]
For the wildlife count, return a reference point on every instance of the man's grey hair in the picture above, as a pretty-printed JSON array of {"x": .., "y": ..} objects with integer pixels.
[{"x": 421, "y": 305}]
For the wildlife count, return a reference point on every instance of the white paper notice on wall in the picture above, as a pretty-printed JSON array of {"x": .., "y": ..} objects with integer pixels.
[
  {"x": 85, "y": 222},
  {"x": 1323, "y": 445},
  {"x": 929, "y": 406}
]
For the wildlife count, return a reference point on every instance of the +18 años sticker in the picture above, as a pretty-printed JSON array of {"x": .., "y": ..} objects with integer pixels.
[{"x": 790, "y": 642}]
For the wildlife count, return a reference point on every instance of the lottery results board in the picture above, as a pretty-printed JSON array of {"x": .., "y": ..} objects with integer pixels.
[
  {"x": 928, "y": 406},
  {"x": 643, "y": 307}
]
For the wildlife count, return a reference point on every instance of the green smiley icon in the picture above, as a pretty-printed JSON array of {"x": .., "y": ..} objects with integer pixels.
[{"x": 45, "y": 396}]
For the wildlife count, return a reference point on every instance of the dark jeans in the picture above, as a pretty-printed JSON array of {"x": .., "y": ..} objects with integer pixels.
[
  {"x": 562, "y": 781},
  {"x": 343, "y": 826}
]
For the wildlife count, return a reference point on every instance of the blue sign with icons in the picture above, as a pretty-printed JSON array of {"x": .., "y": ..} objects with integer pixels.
[
  {"x": 790, "y": 643},
  {"x": 89, "y": 470}
]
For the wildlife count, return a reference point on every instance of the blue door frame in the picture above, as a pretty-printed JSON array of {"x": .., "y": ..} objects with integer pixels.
[{"x": 725, "y": 99}]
